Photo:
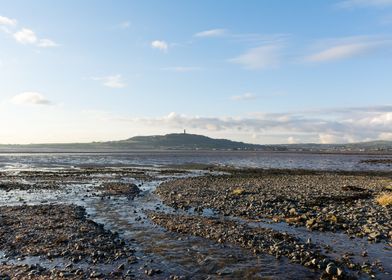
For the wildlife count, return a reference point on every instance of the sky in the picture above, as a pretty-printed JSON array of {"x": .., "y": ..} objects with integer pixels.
[{"x": 258, "y": 71}]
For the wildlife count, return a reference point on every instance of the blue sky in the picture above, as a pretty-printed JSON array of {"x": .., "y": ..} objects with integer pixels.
[{"x": 256, "y": 71}]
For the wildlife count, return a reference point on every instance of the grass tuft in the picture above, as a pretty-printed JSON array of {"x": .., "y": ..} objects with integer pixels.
[
  {"x": 389, "y": 187},
  {"x": 238, "y": 191},
  {"x": 384, "y": 199}
]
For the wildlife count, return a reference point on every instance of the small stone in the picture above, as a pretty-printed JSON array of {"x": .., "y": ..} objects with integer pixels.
[
  {"x": 339, "y": 272},
  {"x": 96, "y": 274},
  {"x": 375, "y": 235},
  {"x": 152, "y": 272},
  {"x": 310, "y": 222},
  {"x": 331, "y": 269},
  {"x": 149, "y": 272},
  {"x": 292, "y": 211}
]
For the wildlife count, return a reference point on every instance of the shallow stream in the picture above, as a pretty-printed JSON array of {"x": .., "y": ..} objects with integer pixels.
[{"x": 177, "y": 254}]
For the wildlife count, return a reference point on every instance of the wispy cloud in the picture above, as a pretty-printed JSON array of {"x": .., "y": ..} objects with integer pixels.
[
  {"x": 113, "y": 81},
  {"x": 252, "y": 38},
  {"x": 30, "y": 98},
  {"x": 364, "y": 3},
  {"x": 339, "y": 52},
  {"x": 182, "y": 69},
  {"x": 266, "y": 54},
  {"x": 245, "y": 96},
  {"x": 260, "y": 39},
  {"x": 46, "y": 43},
  {"x": 219, "y": 32},
  {"x": 338, "y": 49},
  {"x": 7, "y": 21},
  {"x": 24, "y": 36},
  {"x": 263, "y": 57},
  {"x": 160, "y": 45}
]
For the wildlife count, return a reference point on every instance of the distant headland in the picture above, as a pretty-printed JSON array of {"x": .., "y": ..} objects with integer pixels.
[{"x": 192, "y": 142}]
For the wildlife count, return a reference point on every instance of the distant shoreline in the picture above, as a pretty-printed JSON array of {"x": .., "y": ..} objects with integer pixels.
[{"x": 166, "y": 151}]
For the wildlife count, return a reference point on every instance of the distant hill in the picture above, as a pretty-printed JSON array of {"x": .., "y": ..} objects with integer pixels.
[
  {"x": 182, "y": 141},
  {"x": 175, "y": 141}
]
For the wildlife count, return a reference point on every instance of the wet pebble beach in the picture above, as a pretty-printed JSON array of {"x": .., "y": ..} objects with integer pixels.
[
  {"x": 336, "y": 202},
  {"x": 181, "y": 223}
]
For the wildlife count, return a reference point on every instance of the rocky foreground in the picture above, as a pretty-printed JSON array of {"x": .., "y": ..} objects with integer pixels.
[
  {"x": 259, "y": 240},
  {"x": 44, "y": 235},
  {"x": 319, "y": 201},
  {"x": 61, "y": 233}
]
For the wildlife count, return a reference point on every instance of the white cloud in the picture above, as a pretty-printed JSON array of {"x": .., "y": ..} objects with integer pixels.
[
  {"x": 326, "y": 138},
  {"x": 336, "y": 125},
  {"x": 384, "y": 119},
  {"x": 317, "y": 126},
  {"x": 181, "y": 69},
  {"x": 364, "y": 3},
  {"x": 212, "y": 33},
  {"x": 263, "y": 57},
  {"x": 245, "y": 96},
  {"x": 30, "y": 98},
  {"x": 7, "y": 21},
  {"x": 292, "y": 140},
  {"x": 114, "y": 81},
  {"x": 160, "y": 45},
  {"x": 28, "y": 37},
  {"x": 25, "y": 36},
  {"x": 385, "y": 136},
  {"x": 338, "y": 49}
]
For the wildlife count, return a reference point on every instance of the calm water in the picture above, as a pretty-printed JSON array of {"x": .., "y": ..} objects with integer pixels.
[{"x": 238, "y": 159}]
